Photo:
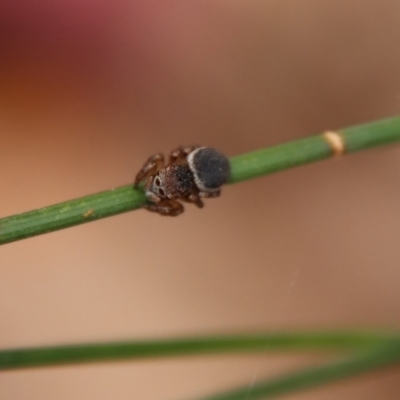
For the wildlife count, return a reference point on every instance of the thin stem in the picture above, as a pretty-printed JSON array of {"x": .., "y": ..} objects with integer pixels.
[
  {"x": 381, "y": 357},
  {"x": 243, "y": 167},
  {"x": 314, "y": 148},
  {"x": 70, "y": 213},
  {"x": 86, "y": 353}
]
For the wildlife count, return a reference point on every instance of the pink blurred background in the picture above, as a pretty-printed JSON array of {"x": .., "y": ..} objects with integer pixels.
[{"x": 88, "y": 90}]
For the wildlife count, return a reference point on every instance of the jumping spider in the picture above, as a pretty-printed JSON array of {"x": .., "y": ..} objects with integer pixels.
[{"x": 191, "y": 174}]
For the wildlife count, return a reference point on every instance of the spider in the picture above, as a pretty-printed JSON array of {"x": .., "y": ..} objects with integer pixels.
[{"x": 191, "y": 174}]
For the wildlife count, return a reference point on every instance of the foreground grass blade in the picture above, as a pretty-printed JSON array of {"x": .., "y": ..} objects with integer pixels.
[
  {"x": 85, "y": 353},
  {"x": 383, "y": 356},
  {"x": 246, "y": 166}
]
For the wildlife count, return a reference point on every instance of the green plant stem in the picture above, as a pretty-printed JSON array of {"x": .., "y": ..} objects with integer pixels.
[
  {"x": 70, "y": 213},
  {"x": 85, "y": 353},
  {"x": 243, "y": 167},
  {"x": 314, "y": 148},
  {"x": 381, "y": 357}
]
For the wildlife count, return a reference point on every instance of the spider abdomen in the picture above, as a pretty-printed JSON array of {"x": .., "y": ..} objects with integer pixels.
[{"x": 211, "y": 169}]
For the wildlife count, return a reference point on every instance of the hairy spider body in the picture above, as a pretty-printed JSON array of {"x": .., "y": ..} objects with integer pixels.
[{"x": 192, "y": 173}]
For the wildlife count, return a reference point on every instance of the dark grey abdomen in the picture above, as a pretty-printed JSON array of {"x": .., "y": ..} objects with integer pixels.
[{"x": 210, "y": 167}]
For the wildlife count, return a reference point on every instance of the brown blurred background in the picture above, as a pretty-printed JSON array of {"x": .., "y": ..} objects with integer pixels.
[{"x": 88, "y": 90}]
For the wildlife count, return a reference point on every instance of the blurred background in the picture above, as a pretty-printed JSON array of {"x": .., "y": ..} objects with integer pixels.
[{"x": 89, "y": 90}]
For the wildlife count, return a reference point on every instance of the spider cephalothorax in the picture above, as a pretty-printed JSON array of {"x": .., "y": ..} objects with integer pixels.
[{"x": 192, "y": 173}]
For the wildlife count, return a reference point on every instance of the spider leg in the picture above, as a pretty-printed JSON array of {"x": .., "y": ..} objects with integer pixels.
[
  {"x": 170, "y": 208},
  {"x": 210, "y": 195},
  {"x": 178, "y": 155},
  {"x": 150, "y": 167},
  {"x": 195, "y": 199}
]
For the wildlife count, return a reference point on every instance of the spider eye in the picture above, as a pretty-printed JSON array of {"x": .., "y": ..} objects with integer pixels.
[
  {"x": 157, "y": 181},
  {"x": 161, "y": 192}
]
